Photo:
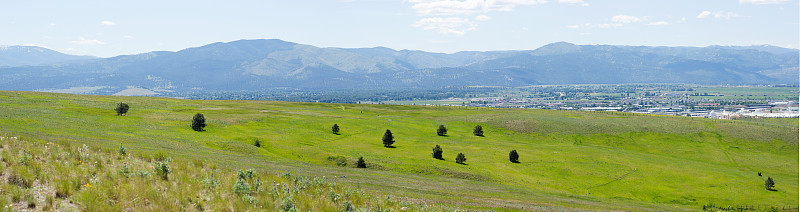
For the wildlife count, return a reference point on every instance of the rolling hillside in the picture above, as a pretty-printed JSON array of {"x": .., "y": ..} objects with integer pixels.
[{"x": 568, "y": 160}]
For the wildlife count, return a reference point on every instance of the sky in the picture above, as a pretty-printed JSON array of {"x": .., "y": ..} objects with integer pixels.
[{"x": 110, "y": 28}]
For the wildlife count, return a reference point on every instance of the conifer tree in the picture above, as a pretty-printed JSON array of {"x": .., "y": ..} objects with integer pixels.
[
  {"x": 478, "y": 131},
  {"x": 769, "y": 184},
  {"x": 335, "y": 129},
  {"x": 513, "y": 156},
  {"x": 361, "y": 163},
  {"x": 198, "y": 122},
  {"x": 122, "y": 108},
  {"x": 441, "y": 131},
  {"x": 388, "y": 138},
  {"x": 437, "y": 152},
  {"x": 461, "y": 158}
]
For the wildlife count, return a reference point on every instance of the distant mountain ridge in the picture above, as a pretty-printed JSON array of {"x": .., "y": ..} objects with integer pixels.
[
  {"x": 33, "y": 56},
  {"x": 266, "y": 64}
]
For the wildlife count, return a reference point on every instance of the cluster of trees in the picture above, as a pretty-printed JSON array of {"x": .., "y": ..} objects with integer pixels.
[
  {"x": 199, "y": 122},
  {"x": 461, "y": 158}
]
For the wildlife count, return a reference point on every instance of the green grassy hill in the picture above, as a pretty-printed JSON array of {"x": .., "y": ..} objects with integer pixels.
[{"x": 568, "y": 160}]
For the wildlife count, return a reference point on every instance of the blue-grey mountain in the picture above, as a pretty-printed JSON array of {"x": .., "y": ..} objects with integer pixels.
[
  {"x": 34, "y": 56},
  {"x": 252, "y": 65}
]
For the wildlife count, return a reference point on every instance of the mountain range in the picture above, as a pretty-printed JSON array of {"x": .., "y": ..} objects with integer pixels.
[
  {"x": 34, "y": 56},
  {"x": 253, "y": 65}
]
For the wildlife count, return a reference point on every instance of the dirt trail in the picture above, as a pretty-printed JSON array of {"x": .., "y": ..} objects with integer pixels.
[{"x": 614, "y": 180}]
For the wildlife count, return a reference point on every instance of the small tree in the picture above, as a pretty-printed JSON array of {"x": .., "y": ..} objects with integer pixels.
[
  {"x": 437, "y": 152},
  {"x": 441, "y": 131},
  {"x": 461, "y": 158},
  {"x": 769, "y": 184},
  {"x": 361, "y": 163},
  {"x": 513, "y": 156},
  {"x": 388, "y": 138},
  {"x": 122, "y": 108},
  {"x": 478, "y": 131},
  {"x": 335, "y": 129},
  {"x": 198, "y": 122},
  {"x": 257, "y": 143}
]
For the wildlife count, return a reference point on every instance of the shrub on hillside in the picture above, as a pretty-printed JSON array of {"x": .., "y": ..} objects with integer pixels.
[
  {"x": 335, "y": 129},
  {"x": 388, "y": 138},
  {"x": 441, "y": 131},
  {"x": 461, "y": 158},
  {"x": 122, "y": 108},
  {"x": 122, "y": 151},
  {"x": 162, "y": 169},
  {"x": 361, "y": 163},
  {"x": 257, "y": 143},
  {"x": 198, "y": 122},
  {"x": 769, "y": 184},
  {"x": 513, "y": 156},
  {"x": 478, "y": 131},
  {"x": 437, "y": 152}
]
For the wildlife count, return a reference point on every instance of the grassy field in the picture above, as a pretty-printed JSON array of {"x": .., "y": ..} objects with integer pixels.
[
  {"x": 747, "y": 92},
  {"x": 570, "y": 160}
]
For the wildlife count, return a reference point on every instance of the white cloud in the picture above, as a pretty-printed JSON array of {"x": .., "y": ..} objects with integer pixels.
[
  {"x": 51, "y": 24},
  {"x": 447, "y": 26},
  {"x": 625, "y": 19},
  {"x": 574, "y": 26},
  {"x": 83, "y": 41},
  {"x": 482, "y": 17},
  {"x": 466, "y": 7},
  {"x": 450, "y": 14},
  {"x": 761, "y": 1},
  {"x": 581, "y": 2},
  {"x": 605, "y": 26},
  {"x": 35, "y": 45},
  {"x": 108, "y": 23},
  {"x": 726, "y": 15},
  {"x": 658, "y": 23},
  {"x": 704, "y": 14},
  {"x": 70, "y": 50},
  {"x": 718, "y": 14},
  {"x": 128, "y": 37}
]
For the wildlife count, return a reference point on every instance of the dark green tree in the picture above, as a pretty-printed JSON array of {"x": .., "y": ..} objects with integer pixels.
[
  {"x": 257, "y": 144},
  {"x": 437, "y": 152},
  {"x": 478, "y": 131},
  {"x": 769, "y": 184},
  {"x": 388, "y": 138},
  {"x": 122, "y": 108},
  {"x": 513, "y": 156},
  {"x": 361, "y": 163},
  {"x": 461, "y": 158},
  {"x": 441, "y": 131},
  {"x": 198, "y": 122},
  {"x": 335, "y": 129}
]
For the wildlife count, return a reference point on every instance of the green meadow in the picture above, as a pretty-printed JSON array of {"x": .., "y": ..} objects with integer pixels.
[{"x": 569, "y": 160}]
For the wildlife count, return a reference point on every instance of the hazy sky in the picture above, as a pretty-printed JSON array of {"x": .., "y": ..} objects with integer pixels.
[{"x": 109, "y": 28}]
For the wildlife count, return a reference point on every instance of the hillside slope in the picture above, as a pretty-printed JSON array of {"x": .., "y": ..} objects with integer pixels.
[{"x": 568, "y": 160}]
